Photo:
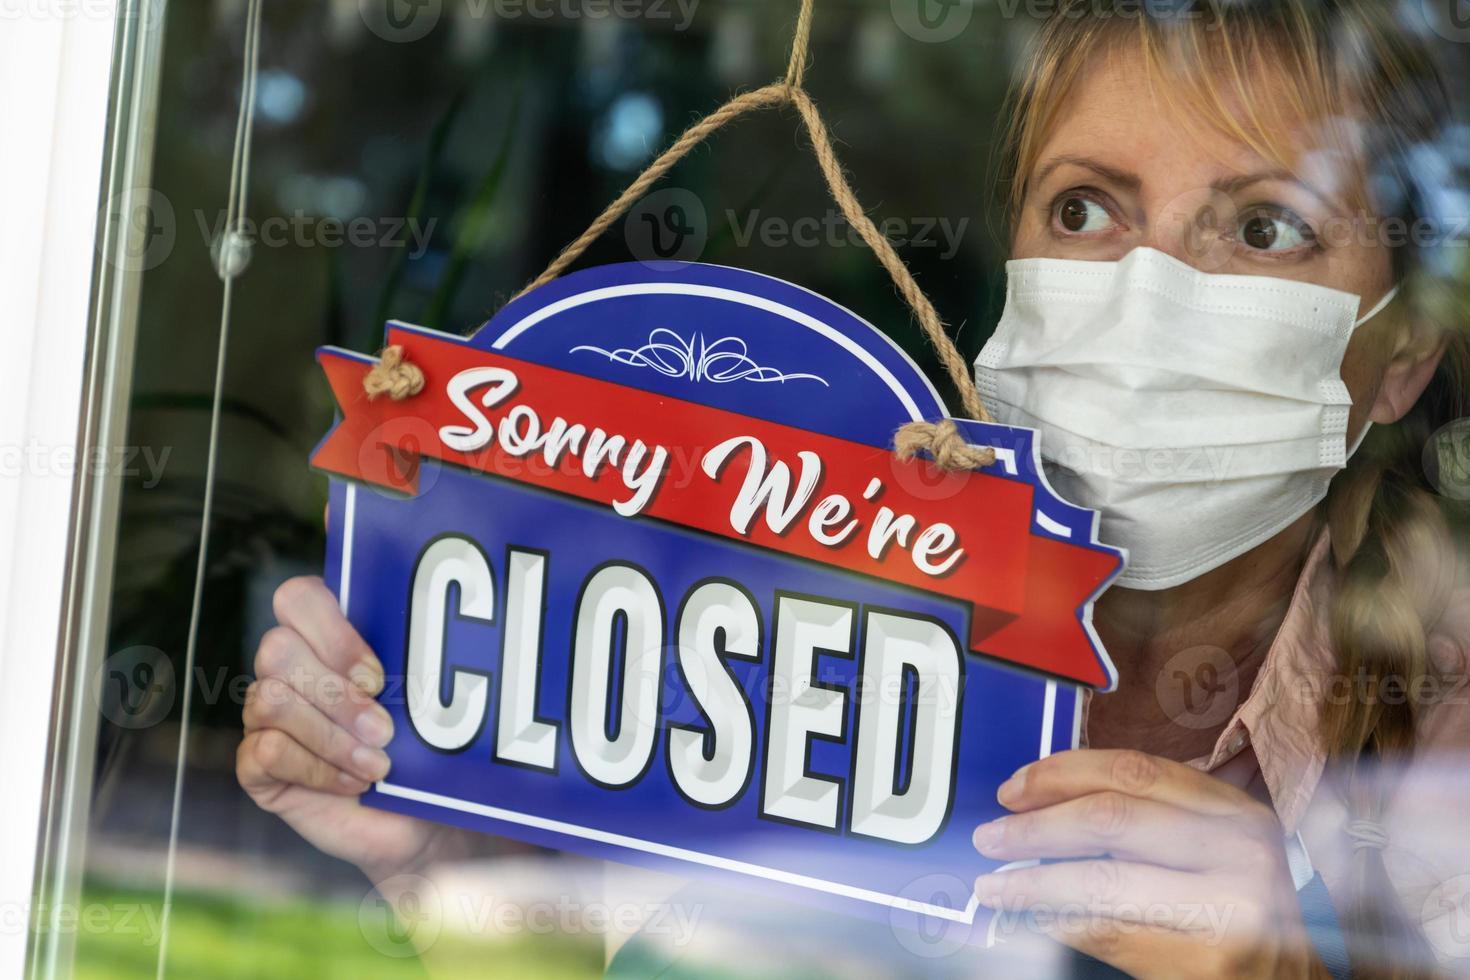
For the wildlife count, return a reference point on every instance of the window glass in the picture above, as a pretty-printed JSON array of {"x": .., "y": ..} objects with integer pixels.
[{"x": 421, "y": 161}]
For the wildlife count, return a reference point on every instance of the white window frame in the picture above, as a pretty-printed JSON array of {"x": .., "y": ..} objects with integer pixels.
[{"x": 78, "y": 88}]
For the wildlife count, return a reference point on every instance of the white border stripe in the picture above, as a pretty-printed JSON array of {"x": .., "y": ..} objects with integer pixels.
[
  {"x": 1048, "y": 718},
  {"x": 728, "y": 295},
  {"x": 1078, "y": 696},
  {"x": 349, "y": 517},
  {"x": 966, "y": 915}
]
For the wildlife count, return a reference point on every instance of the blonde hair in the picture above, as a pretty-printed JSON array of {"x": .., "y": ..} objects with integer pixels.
[{"x": 1259, "y": 70}]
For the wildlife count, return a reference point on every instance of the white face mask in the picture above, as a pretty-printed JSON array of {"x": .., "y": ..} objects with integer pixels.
[{"x": 1200, "y": 413}]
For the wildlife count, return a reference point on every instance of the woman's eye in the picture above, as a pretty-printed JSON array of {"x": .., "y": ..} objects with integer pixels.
[
  {"x": 1274, "y": 233},
  {"x": 1080, "y": 214}
]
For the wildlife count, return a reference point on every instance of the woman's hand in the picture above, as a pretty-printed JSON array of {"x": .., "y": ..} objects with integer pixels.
[
  {"x": 1178, "y": 873},
  {"x": 314, "y": 738}
]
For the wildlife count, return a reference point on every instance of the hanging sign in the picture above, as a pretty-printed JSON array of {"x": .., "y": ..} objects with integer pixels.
[{"x": 649, "y": 583}]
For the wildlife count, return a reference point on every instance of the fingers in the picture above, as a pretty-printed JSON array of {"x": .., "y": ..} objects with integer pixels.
[
  {"x": 272, "y": 704},
  {"x": 1069, "y": 775},
  {"x": 307, "y": 725},
  {"x": 269, "y": 759},
  {"x": 1121, "y": 826},
  {"x": 307, "y": 606},
  {"x": 284, "y": 655}
]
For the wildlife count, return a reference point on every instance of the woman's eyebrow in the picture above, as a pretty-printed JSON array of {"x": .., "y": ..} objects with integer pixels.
[
  {"x": 1231, "y": 185},
  {"x": 1122, "y": 178}
]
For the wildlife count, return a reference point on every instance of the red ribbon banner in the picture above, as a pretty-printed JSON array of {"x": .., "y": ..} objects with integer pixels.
[{"x": 843, "y": 504}]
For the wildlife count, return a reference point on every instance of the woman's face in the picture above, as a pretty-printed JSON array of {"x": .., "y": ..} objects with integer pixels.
[{"x": 1120, "y": 170}]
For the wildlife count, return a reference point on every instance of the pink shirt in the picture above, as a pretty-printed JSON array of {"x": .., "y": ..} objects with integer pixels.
[{"x": 1272, "y": 739}]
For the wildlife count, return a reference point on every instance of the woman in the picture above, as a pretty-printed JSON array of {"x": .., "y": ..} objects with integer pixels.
[{"x": 1292, "y": 666}]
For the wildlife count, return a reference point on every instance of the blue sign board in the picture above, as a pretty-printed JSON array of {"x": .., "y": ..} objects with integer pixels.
[{"x": 649, "y": 584}]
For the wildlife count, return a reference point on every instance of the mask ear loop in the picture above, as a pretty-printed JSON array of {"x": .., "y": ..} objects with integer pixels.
[{"x": 1378, "y": 307}]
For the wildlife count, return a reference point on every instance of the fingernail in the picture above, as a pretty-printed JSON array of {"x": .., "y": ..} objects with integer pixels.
[
  {"x": 988, "y": 835},
  {"x": 375, "y": 727},
  {"x": 350, "y": 782},
  {"x": 987, "y": 888},
  {"x": 1010, "y": 791},
  {"x": 368, "y": 675},
  {"x": 372, "y": 763}
]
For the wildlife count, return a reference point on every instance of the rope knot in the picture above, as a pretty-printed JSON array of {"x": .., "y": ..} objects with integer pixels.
[
  {"x": 393, "y": 376},
  {"x": 943, "y": 441}
]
